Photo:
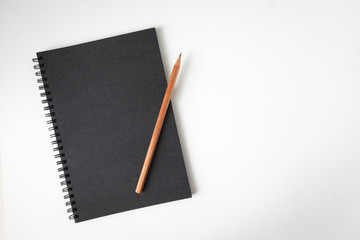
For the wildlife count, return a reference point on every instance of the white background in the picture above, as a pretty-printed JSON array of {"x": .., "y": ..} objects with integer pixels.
[{"x": 267, "y": 105}]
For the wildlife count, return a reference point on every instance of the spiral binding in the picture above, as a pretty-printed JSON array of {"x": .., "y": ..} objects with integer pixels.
[{"x": 63, "y": 168}]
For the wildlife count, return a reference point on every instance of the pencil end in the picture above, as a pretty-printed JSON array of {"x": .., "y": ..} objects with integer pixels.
[
  {"x": 138, "y": 189},
  {"x": 180, "y": 55}
]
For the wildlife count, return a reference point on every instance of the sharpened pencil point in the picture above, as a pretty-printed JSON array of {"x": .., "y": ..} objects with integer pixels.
[{"x": 180, "y": 55}]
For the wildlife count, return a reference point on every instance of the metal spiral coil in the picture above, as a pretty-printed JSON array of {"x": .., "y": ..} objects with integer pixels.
[{"x": 59, "y": 149}]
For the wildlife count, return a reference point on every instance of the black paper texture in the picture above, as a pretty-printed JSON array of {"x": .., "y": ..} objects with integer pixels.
[{"x": 106, "y": 96}]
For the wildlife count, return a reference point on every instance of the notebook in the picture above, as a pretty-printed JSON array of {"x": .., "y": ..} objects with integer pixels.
[{"x": 102, "y": 99}]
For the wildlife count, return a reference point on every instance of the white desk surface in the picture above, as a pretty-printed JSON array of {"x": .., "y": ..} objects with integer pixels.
[{"x": 267, "y": 105}]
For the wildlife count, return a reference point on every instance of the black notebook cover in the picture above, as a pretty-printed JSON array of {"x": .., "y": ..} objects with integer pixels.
[{"x": 103, "y": 98}]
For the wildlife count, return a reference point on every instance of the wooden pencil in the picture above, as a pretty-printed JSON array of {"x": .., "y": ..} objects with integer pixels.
[{"x": 158, "y": 126}]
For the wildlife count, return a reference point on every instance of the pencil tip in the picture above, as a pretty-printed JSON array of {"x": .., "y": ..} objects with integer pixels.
[{"x": 180, "y": 55}]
